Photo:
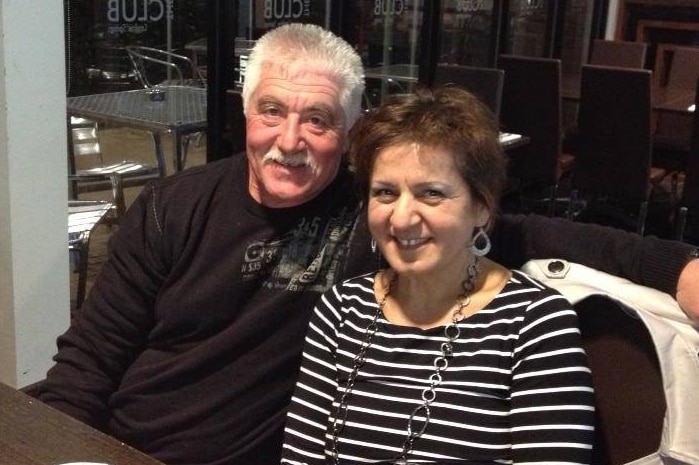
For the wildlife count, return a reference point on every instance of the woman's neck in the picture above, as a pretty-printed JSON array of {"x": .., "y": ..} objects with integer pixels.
[{"x": 426, "y": 303}]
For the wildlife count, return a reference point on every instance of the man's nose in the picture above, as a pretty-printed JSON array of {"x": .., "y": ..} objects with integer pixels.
[{"x": 290, "y": 139}]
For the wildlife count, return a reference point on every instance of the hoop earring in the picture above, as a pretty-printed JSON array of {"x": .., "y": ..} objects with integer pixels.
[{"x": 481, "y": 243}]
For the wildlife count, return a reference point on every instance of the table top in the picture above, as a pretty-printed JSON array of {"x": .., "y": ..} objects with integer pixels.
[
  {"x": 183, "y": 109},
  {"x": 32, "y": 433}
]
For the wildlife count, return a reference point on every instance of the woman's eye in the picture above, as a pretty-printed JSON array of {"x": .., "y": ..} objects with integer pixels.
[
  {"x": 382, "y": 193},
  {"x": 434, "y": 194}
]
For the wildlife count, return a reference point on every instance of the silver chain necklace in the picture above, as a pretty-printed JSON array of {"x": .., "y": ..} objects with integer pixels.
[{"x": 416, "y": 427}]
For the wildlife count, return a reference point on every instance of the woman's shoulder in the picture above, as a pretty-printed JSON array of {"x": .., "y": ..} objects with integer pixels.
[{"x": 525, "y": 289}]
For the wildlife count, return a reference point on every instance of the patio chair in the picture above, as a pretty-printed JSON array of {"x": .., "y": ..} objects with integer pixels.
[
  {"x": 83, "y": 216},
  {"x": 155, "y": 67},
  {"x": 85, "y": 143}
]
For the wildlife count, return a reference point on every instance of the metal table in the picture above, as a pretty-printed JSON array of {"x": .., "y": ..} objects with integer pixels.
[{"x": 181, "y": 112}]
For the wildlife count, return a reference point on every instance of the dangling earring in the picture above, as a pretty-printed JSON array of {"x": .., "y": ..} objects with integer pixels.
[
  {"x": 481, "y": 243},
  {"x": 373, "y": 245}
]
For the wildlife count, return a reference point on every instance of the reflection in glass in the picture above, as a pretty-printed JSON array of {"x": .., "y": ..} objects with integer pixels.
[
  {"x": 467, "y": 32},
  {"x": 386, "y": 33},
  {"x": 527, "y": 28}
]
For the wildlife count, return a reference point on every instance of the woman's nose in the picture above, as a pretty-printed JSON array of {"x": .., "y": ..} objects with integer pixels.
[{"x": 404, "y": 212}]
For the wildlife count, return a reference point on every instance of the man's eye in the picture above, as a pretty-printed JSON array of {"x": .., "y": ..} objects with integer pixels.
[
  {"x": 318, "y": 122},
  {"x": 271, "y": 111}
]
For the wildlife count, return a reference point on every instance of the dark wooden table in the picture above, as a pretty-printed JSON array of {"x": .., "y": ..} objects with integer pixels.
[{"x": 32, "y": 433}]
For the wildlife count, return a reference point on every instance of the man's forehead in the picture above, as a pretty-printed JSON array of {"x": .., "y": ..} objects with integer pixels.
[{"x": 299, "y": 82}]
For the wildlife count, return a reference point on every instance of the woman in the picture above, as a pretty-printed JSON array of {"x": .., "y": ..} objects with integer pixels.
[{"x": 445, "y": 356}]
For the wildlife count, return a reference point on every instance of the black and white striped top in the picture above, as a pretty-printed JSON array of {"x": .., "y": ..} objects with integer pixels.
[{"x": 518, "y": 389}]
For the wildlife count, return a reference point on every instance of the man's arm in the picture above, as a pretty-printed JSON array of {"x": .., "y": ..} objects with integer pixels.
[
  {"x": 665, "y": 265},
  {"x": 688, "y": 287},
  {"x": 112, "y": 326}
]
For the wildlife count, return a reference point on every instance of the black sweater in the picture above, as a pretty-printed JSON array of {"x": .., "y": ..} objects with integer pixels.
[{"x": 189, "y": 343}]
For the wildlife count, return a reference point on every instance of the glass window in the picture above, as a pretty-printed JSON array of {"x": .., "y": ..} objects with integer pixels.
[
  {"x": 268, "y": 14},
  {"x": 387, "y": 35},
  {"x": 468, "y": 32},
  {"x": 98, "y": 30},
  {"x": 528, "y": 30}
]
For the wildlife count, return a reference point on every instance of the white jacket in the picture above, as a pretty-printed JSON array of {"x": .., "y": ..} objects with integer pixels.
[{"x": 676, "y": 341}]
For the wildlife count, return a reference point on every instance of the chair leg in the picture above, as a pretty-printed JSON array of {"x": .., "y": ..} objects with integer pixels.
[
  {"x": 553, "y": 192},
  {"x": 118, "y": 193},
  {"x": 681, "y": 223},
  {"x": 83, "y": 254},
  {"x": 572, "y": 201},
  {"x": 642, "y": 214}
]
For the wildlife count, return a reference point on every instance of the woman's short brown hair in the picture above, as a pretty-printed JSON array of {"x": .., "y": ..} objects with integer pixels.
[{"x": 447, "y": 117}]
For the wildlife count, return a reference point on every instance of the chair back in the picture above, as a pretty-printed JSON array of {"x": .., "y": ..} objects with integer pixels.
[
  {"x": 531, "y": 105},
  {"x": 484, "y": 83},
  {"x": 690, "y": 193},
  {"x": 684, "y": 68},
  {"x": 614, "y": 152},
  {"x": 673, "y": 131},
  {"x": 630, "y": 400},
  {"x": 85, "y": 139},
  {"x": 153, "y": 67},
  {"x": 622, "y": 54},
  {"x": 689, "y": 200},
  {"x": 235, "y": 130}
]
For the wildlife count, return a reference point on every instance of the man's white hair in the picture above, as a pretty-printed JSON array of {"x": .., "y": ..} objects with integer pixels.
[{"x": 297, "y": 41}]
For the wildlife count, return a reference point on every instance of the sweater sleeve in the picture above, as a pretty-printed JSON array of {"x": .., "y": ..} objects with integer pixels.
[
  {"x": 648, "y": 261},
  {"x": 311, "y": 404},
  {"x": 113, "y": 324},
  {"x": 552, "y": 395}
]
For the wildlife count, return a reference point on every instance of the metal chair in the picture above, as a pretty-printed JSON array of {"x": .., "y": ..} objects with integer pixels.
[
  {"x": 613, "y": 160},
  {"x": 484, "y": 83},
  {"x": 83, "y": 216},
  {"x": 155, "y": 67},
  {"x": 85, "y": 143}
]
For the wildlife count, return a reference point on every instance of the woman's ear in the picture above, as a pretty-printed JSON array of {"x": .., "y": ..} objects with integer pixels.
[{"x": 483, "y": 216}]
